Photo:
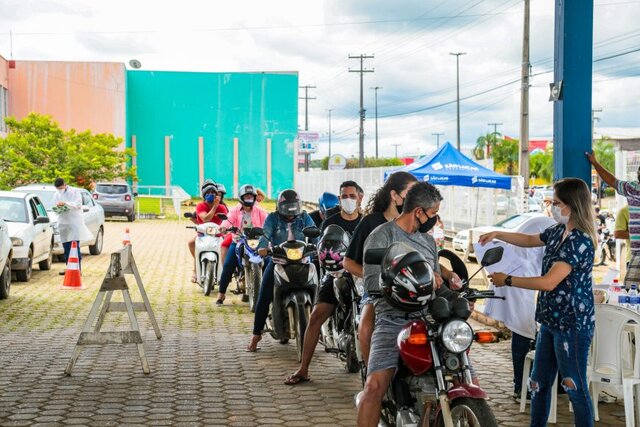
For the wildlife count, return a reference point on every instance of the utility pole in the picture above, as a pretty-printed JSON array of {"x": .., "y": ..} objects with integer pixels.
[
  {"x": 495, "y": 137},
  {"x": 523, "y": 160},
  {"x": 437, "y": 135},
  {"x": 457, "y": 55},
  {"x": 306, "y": 98},
  {"x": 495, "y": 127},
  {"x": 376, "y": 88},
  {"x": 329, "y": 110},
  {"x": 362, "y": 111},
  {"x": 396, "y": 147},
  {"x": 595, "y": 119}
]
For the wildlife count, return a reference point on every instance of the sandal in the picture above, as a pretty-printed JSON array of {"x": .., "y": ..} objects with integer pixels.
[
  {"x": 296, "y": 379},
  {"x": 253, "y": 347},
  {"x": 220, "y": 301}
]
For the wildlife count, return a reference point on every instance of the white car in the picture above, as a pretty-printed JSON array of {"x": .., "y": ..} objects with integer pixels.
[
  {"x": 534, "y": 206},
  {"x": 30, "y": 232},
  {"x": 6, "y": 252},
  {"x": 513, "y": 223},
  {"x": 93, "y": 215}
]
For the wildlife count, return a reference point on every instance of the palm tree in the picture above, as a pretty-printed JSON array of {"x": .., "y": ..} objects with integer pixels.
[{"x": 485, "y": 145}]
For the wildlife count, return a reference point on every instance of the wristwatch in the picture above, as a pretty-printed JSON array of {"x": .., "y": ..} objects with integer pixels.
[{"x": 507, "y": 281}]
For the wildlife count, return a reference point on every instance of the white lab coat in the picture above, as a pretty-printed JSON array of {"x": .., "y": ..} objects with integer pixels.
[
  {"x": 517, "y": 312},
  {"x": 71, "y": 223}
]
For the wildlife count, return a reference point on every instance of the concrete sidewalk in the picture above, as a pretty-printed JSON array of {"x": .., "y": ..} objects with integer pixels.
[{"x": 200, "y": 373}]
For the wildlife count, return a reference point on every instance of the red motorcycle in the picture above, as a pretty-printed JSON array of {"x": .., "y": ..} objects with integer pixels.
[{"x": 433, "y": 385}]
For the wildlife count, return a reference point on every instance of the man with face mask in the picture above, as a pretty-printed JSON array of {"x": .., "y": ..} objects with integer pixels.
[
  {"x": 630, "y": 190},
  {"x": 348, "y": 218},
  {"x": 70, "y": 222},
  {"x": 419, "y": 215},
  {"x": 286, "y": 223}
]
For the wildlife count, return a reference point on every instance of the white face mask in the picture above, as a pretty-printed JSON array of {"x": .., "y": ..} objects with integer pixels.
[
  {"x": 349, "y": 205},
  {"x": 557, "y": 215}
]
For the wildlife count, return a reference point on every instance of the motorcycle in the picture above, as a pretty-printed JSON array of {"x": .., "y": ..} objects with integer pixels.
[
  {"x": 250, "y": 264},
  {"x": 606, "y": 247},
  {"x": 207, "y": 256},
  {"x": 295, "y": 288},
  {"x": 339, "y": 333},
  {"x": 433, "y": 384}
]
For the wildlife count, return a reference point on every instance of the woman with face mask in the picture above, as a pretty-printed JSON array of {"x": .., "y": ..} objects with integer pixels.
[{"x": 565, "y": 308}]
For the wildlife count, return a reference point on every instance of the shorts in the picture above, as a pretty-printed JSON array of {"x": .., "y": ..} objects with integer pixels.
[
  {"x": 326, "y": 293},
  {"x": 228, "y": 239},
  {"x": 633, "y": 270},
  {"x": 384, "y": 352}
]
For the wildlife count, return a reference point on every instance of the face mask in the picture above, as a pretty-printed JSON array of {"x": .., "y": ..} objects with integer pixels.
[
  {"x": 209, "y": 198},
  {"x": 426, "y": 226},
  {"x": 557, "y": 215},
  {"x": 349, "y": 205},
  {"x": 399, "y": 206}
]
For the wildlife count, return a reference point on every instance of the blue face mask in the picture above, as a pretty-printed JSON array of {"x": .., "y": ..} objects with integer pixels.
[{"x": 209, "y": 198}]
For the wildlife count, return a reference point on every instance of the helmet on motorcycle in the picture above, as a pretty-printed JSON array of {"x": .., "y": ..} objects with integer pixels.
[
  {"x": 332, "y": 248},
  {"x": 247, "y": 195},
  {"x": 289, "y": 204},
  {"x": 327, "y": 201},
  {"x": 208, "y": 187},
  {"x": 406, "y": 279}
]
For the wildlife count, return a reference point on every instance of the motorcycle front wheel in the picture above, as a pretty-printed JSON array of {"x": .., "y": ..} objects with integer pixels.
[
  {"x": 301, "y": 327},
  {"x": 207, "y": 269},
  {"x": 469, "y": 412},
  {"x": 253, "y": 276}
]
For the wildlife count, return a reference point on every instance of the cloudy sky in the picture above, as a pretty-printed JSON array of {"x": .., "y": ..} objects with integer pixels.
[{"x": 411, "y": 41}]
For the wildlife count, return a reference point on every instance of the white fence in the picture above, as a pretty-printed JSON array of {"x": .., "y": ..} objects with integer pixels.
[{"x": 462, "y": 207}]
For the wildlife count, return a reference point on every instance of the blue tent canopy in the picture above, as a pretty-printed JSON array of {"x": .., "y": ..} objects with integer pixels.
[{"x": 447, "y": 166}]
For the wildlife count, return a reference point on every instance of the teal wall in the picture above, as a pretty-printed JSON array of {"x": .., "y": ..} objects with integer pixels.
[{"x": 218, "y": 107}]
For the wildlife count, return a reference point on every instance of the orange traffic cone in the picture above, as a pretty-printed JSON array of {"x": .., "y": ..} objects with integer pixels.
[
  {"x": 72, "y": 278},
  {"x": 127, "y": 239}
]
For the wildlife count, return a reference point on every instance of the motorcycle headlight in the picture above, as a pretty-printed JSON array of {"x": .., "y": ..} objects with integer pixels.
[
  {"x": 211, "y": 231},
  {"x": 253, "y": 243},
  {"x": 457, "y": 336},
  {"x": 15, "y": 241},
  {"x": 295, "y": 254}
]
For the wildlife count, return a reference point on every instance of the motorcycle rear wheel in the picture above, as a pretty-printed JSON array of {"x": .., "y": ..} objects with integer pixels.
[
  {"x": 466, "y": 412},
  {"x": 207, "y": 270}
]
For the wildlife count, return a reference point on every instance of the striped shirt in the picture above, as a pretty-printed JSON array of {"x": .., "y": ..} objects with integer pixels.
[{"x": 631, "y": 190}]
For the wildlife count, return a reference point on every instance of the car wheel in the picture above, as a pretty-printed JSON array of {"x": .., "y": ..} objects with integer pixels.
[
  {"x": 60, "y": 258},
  {"x": 25, "y": 275},
  {"x": 131, "y": 218},
  {"x": 5, "y": 281},
  {"x": 46, "y": 264},
  {"x": 96, "y": 248}
]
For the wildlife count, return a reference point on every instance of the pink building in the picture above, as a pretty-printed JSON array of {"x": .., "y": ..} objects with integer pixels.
[{"x": 78, "y": 95}]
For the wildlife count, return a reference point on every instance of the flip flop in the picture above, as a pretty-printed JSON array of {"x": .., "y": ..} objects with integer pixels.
[
  {"x": 296, "y": 379},
  {"x": 248, "y": 350}
]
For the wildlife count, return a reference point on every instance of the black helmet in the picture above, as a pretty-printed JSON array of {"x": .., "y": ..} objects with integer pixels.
[
  {"x": 245, "y": 190},
  {"x": 289, "y": 203},
  {"x": 407, "y": 279},
  {"x": 332, "y": 248},
  {"x": 207, "y": 187}
]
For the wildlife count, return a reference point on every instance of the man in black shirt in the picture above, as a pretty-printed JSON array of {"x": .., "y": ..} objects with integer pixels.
[{"x": 350, "y": 199}]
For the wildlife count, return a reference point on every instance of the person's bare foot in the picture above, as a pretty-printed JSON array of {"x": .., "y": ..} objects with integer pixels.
[
  {"x": 298, "y": 376},
  {"x": 253, "y": 347}
]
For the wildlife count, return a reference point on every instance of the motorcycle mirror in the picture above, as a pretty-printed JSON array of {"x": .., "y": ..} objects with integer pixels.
[
  {"x": 492, "y": 256},
  {"x": 311, "y": 232},
  {"x": 189, "y": 215},
  {"x": 374, "y": 256},
  {"x": 221, "y": 216}
]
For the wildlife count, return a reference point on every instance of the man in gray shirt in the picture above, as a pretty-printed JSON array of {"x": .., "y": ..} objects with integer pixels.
[{"x": 419, "y": 215}]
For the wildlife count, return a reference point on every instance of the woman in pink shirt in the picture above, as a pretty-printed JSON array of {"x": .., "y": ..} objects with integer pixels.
[{"x": 245, "y": 215}]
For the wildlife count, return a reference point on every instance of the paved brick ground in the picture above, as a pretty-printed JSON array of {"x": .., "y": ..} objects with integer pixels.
[{"x": 200, "y": 372}]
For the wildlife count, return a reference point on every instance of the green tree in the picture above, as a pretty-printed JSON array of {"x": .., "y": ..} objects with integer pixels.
[
  {"x": 605, "y": 153},
  {"x": 505, "y": 156},
  {"x": 485, "y": 145},
  {"x": 38, "y": 150},
  {"x": 541, "y": 165}
]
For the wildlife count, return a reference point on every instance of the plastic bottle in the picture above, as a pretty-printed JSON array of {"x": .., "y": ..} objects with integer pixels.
[
  {"x": 623, "y": 300},
  {"x": 633, "y": 297}
]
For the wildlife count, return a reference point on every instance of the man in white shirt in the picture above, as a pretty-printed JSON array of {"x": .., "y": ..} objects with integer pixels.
[{"x": 70, "y": 221}]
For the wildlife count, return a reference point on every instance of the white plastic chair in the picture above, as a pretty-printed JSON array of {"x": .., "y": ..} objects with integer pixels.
[
  {"x": 613, "y": 327},
  {"x": 526, "y": 372}
]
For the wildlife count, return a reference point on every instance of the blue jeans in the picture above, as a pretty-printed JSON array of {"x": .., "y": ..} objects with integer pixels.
[
  {"x": 519, "y": 348},
  {"x": 228, "y": 268},
  {"x": 264, "y": 298},
  {"x": 67, "y": 251},
  {"x": 567, "y": 351}
]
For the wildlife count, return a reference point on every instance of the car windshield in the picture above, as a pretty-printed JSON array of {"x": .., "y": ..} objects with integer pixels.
[
  {"x": 12, "y": 209},
  {"x": 46, "y": 197},
  {"x": 112, "y": 189},
  {"x": 512, "y": 222}
]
